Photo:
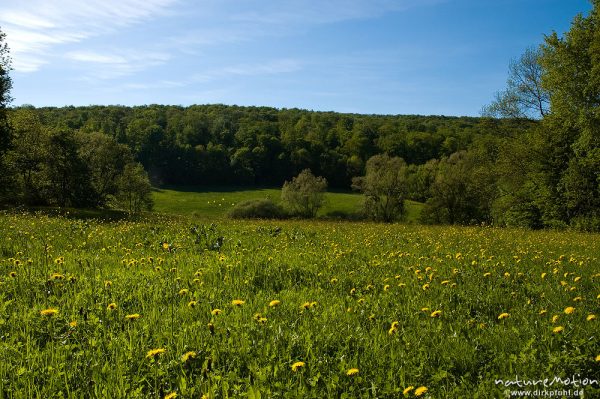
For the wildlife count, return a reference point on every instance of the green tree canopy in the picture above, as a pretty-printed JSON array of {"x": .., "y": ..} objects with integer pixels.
[
  {"x": 569, "y": 168},
  {"x": 384, "y": 186}
]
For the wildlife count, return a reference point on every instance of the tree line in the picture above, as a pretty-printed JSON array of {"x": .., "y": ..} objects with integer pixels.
[{"x": 531, "y": 160}]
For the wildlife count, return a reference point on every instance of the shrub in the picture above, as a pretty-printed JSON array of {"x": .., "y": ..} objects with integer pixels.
[{"x": 257, "y": 209}]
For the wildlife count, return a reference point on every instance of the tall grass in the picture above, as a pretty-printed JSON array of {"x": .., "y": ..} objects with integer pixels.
[{"x": 405, "y": 305}]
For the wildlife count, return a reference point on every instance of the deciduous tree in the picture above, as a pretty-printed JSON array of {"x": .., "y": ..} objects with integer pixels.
[
  {"x": 305, "y": 194},
  {"x": 384, "y": 186}
]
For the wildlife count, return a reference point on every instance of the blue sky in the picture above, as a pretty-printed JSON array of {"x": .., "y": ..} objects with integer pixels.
[{"x": 430, "y": 57}]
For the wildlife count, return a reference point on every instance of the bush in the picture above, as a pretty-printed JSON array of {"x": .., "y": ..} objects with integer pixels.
[{"x": 257, "y": 209}]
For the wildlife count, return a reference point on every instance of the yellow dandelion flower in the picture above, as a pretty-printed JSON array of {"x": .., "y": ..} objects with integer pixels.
[
  {"x": 487, "y": 274},
  {"x": 187, "y": 356},
  {"x": 554, "y": 318},
  {"x": 598, "y": 358},
  {"x": 425, "y": 286},
  {"x": 261, "y": 320},
  {"x": 172, "y": 395},
  {"x": 333, "y": 280},
  {"x": 425, "y": 309},
  {"x": 155, "y": 352},
  {"x": 420, "y": 391},
  {"x": 57, "y": 276},
  {"x": 544, "y": 275},
  {"x": 111, "y": 306},
  {"x": 134, "y": 316},
  {"x": 569, "y": 310},
  {"x": 165, "y": 245},
  {"x": 591, "y": 317},
  {"x": 237, "y": 302},
  {"x": 12, "y": 274},
  {"x": 107, "y": 283},
  {"x": 407, "y": 390},
  {"x": 49, "y": 312},
  {"x": 386, "y": 287},
  {"x": 576, "y": 279},
  {"x": 577, "y": 299},
  {"x": 445, "y": 282},
  {"x": 274, "y": 303},
  {"x": 503, "y": 316},
  {"x": 211, "y": 328},
  {"x": 305, "y": 305},
  {"x": 543, "y": 311},
  {"x": 352, "y": 371},
  {"x": 192, "y": 304},
  {"x": 73, "y": 324},
  {"x": 436, "y": 313},
  {"x": 353, "y": 291},
  {"x": 558, "y": 330},
  {"x": 298, "y": 365},
  {"x": 393, "y": 328},
  {"x": 216, "y": 312},
  {"x": 313, "y": 304},
  {"x": 184, "y": 291}
]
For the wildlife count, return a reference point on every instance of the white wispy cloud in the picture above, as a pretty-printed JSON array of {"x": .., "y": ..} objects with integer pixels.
[
  {"x": 110, "y": 65},
  {"x": 35, "y": 27},
  {"x": 272, "y": 67}
]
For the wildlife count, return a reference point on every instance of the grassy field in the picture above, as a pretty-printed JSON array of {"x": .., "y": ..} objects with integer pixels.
[
  {"x": 215, "y": 202},
  {"x": 291, "y": 309}
]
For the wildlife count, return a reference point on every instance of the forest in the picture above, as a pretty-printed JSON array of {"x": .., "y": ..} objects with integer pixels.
[{"x": 531, "y": 160}]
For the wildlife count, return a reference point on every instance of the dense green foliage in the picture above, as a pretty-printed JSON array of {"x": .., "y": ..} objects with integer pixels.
[
  {"x": 66, "y": 168},
  {"x": 218, "y": 144},
  {"x": 405, "y": 305}
]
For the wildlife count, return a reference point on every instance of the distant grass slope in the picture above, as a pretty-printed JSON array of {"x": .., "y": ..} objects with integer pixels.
[{"x": 216, "y": 202}]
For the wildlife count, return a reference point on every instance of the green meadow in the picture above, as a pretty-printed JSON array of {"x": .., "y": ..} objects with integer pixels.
[
  {"x": 177, "y": 306},
  {"x": 216, "y": 202}
]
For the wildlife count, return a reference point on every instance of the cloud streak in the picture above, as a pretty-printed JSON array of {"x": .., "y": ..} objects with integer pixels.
[
  {"x": 98, "y": 65},
  {"x": 35, "y": 27},
  {"x": 272, "y": 67}
]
